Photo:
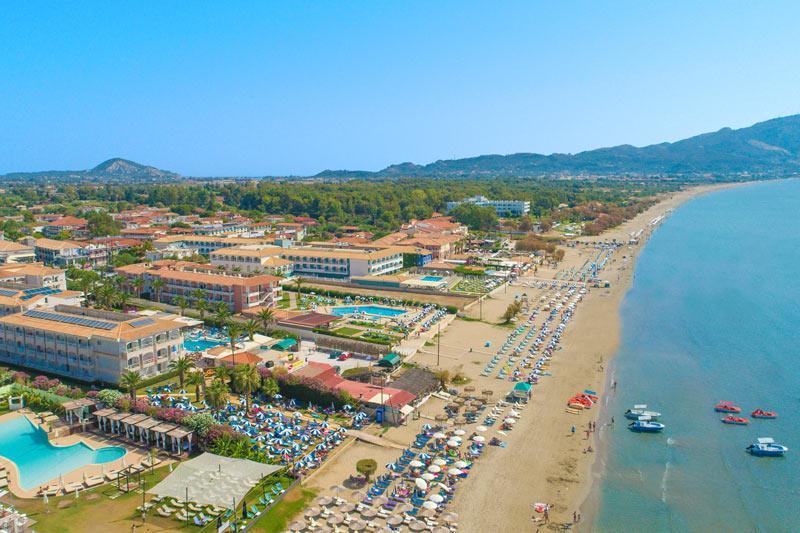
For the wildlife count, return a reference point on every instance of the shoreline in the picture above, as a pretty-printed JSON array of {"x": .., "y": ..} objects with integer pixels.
[{"x": 588, "y": 500}]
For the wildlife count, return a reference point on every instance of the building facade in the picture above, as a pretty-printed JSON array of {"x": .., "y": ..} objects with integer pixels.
[
  {"x": 342, "y": 264},
  {"x": 504, "y": 208},
  {"x": 89, "y": 345}
]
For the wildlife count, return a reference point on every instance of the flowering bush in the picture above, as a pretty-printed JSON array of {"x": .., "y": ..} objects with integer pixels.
[
  {"x": 92, "y": 394},
  {"x": 200, "y": 423},
  {"x": 110, "y": 397},
  {"x": 20, "y": 377}
]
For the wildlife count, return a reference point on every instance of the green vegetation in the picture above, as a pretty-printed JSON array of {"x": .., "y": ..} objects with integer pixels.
[
  {"x": 475, "y": 216},
  {"x": 347, "y": 332},
  {"x": 278, "y": 517}
]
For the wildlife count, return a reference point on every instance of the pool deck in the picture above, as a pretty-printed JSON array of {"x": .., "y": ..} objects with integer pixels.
[{"x": 134, "y": 456}]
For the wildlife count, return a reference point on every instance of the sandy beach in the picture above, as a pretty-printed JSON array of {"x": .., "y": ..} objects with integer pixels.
[{"x": 545, "y": 461}]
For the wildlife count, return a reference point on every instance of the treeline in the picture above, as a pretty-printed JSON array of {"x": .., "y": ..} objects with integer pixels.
[{"x": 378, "y": 204}]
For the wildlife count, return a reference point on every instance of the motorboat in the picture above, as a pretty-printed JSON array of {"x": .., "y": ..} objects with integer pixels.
[
  {"x": 727, "y": 407},
  {"x": 640, "y": 410},
  {"x": 646, "y": 425},
  {"x": 766, "y": 447},
  {"x": 735, "y": 420},
  {"x": 760, "y": 413}
]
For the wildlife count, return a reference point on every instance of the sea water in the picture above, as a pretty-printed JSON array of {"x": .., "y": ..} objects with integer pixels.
[{"x": 713, "y": 314}]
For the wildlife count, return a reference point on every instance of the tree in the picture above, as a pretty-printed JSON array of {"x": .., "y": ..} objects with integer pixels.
[
  {"x": 182, "y": 303},
  {"x": 247, "y": 380},
  {"x": 217, "y": 394},
  {"x": 251, "y": 327},
  {"x": 475, "y": 216},
  {"x": 221, "y": 313},
  {"x": 198, "y": 380},
  {"x": 138, "y": 284},
  {"x": 102, "y": 224},
  {"x": 366, "y": 467},
  {"x": 511, "y": 311},
  {"x": 181, "y": 365},
  {"x": 267, "y": 318},
  {"x": 201, "y": 306},
  {"x": 156, "y": 287},
  {"x": 123, "y": 297},
  {"x": 444, "y": 378},
  {"x": 233, "y": 330},
  {"x": 222, "y": 373},
  {"x": 270, "y": 387},
  {"x": 299, "y": 282},
  {"x": 130, "y": 381}
]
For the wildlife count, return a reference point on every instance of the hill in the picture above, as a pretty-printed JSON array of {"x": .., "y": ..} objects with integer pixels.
[
  {"x": 111, "y": 170},
  {"x": 770, "y": 148}
]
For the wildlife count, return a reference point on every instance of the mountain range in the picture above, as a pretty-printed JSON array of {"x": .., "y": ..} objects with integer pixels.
[
  {"x": 766, "y": 148},
  {"x": 111, "y": 170},
  {"x": 770, "y": 149}
]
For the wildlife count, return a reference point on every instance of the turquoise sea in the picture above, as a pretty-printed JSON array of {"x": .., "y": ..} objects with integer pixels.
[{"x": 713, "y": 314}]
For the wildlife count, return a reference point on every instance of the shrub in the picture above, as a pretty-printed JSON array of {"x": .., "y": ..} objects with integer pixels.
[
  {"x": 366, "y": 467},
  {"x": 109, "y": 397},
  {"x": 200, "y": 423}
]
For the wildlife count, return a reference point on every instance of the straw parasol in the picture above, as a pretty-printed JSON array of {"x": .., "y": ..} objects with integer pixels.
[
  {"x": 311, "y": 512},
  {"x": 298, "y": 525},
  {"x": 450, "y": 518},
  {"x": 358, "y": 495},
  {"x": 335, "y": 519},
  {"x": 323, "y": 501},
  {"x": 403, "y": 507},
  {"x": 358, "y": 525},
  {"x": 394, "y": 520},
  {"x": 440, "y": 529},
  {"x": 380, "y": 500},
  {"x": 487, "y": 392},
  {"x": 369, "y": 512},
  {"x": 441, "y": 418},
  {"x": 458, "y": 400},
  {"x": 347, "y": 507},
  {"x": 416, "y": 525},
  {"x": 469, "y": 388}
]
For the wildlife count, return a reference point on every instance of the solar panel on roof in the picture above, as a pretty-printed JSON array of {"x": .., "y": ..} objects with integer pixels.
[
  {"x": 7, "y": 292},
  {"x": 142, "y": 322},
  {"x": 70, "y": 319},
  {"x": 30, "y": 293}
]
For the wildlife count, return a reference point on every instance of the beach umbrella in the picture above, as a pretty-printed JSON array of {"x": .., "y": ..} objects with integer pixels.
[
  {"x": 450, "y": 518},
  {"x": 436, "y": 498},
  {"x": 421, "y": 484},
  {"x": 481, "y": 429},
  {"x": 369, "y": 512},
  {"x": 357, "y": 495},
  {"x": 460, "y": 464},
  {"x": 453, "y": 443},
  {"x": 404, "y": 507},
  {"x": 454, "y": 472},
  {"x": 510, "y": 421},
  {"x": 313, "y": 511},
  {"x": 459, "y": 432},
  {"x": 338, "y": 489},
  {"x": 416, "y": 464},
  {"x": 440, "y": 529},
  {"x": 380, "y": 500},
  {"x": 427, "y": 476},
  {"x": 439, "y": 435},
  {"x": 479, "y": 438},
  {"x": 335, "y": 519},
  {"x": 347, "y": 507},
  {"x": 298, "y": 525},
  {"x": 439, "y": 461},
  {"x": 434, "y": 469},
  {"x": 394, "y": 520},
  {"x": 358, "y": 525}
]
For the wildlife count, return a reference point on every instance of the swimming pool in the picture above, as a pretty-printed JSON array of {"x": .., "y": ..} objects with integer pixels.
[
  {"x": 432, "y": 278},
  {"x": 368, "y": 310},
  {"x": 200, "y": 345},
  {"x": 38, "y": 461}
]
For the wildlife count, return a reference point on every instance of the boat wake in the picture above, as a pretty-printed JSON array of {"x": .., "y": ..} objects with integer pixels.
[
  {"x": 670, "y": 441},
  {"x": 664, "y": 481}
]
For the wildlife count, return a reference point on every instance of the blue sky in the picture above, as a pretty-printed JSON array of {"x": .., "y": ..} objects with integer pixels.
[{"x": 236, "y": 88}]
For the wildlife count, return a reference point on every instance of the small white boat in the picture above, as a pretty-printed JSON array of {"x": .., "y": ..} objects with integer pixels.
[
  {"x": 766, "y": 447},
  {"x": 644, "y": 424},
  {"x": 640, "y": 410}
]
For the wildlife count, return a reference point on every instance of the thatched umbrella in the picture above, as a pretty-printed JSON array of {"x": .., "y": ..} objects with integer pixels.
[{"x": 298, "y": 525}]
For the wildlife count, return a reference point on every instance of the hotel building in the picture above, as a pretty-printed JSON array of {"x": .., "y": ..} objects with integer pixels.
[
  {"x": 504, "y": 208},
  {"x": 342, "y": 264},
  {"x": 87, "y": 344}
]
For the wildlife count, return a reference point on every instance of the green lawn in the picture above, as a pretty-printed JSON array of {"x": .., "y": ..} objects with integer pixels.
[
  {"x": 282, "y": 513},
  {"x": 350, "y": 332}
]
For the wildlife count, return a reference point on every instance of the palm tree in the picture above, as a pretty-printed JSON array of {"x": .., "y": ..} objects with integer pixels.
[
  {"x": 247, "y": 380},
  {"x": 251, "y": 327},
  {"x": 181, "y": 365},
  {"x": 199, "y": 381},
  {"x": 122, "y": 299},
  {"x": 138, "y": 284},
  {"x": 130, "y": 381},
  {"x": 270, "y": 387},
  {"x": 222, "y": 373},
  {"x": 221, "y": 312},
  {"x": 267, "y": 318},
  {"x": 87, "y": 285},
  {"x": 181, "y": 302},
  {"x": 217, "y": 394},
  {"x": 156, "y": 287},
  {"x": 201, "y": 306},
  {"x": 299, "y": 282},
  {"x": 233, "y": 329}
]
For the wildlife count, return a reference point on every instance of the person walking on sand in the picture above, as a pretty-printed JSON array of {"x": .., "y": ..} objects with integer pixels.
[{"x": 573, "y": 430}]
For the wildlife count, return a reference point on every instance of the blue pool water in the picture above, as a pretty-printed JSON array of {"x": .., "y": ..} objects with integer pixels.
[
  {"x": 200, "y": 344},
  {"x": 432, "y": 278},
  {"x": 367, "y": 309},
  {"x": 39, "y": 461},
  {"x": 712, "y": 315}
]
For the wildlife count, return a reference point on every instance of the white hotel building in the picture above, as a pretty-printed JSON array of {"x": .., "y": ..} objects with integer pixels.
[{"x": 504, "y": 208}]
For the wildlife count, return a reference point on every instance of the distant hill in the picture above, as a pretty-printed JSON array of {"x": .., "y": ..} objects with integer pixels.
[
  {"x": 767, "y": 148},
  {"x": 112, "y": 170}
]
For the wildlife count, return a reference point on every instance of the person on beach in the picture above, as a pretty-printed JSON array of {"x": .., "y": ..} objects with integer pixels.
[{"x": 573, "y": 430}]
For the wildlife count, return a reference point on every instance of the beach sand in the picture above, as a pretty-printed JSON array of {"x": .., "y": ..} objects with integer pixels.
[{"x": 544, "y": 461}]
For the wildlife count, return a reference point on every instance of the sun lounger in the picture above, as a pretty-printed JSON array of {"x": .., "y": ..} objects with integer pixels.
[
  {"x": 254, "y": 510},
  {"x": 193, "y": 507},
  {"x": 182, "y": 515},
  {"x": 112, "y": 475},
  {"x": 3, "y": 483},
  {"x": 93, "y": 481},
  {"x": 164, "y": 512}
]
